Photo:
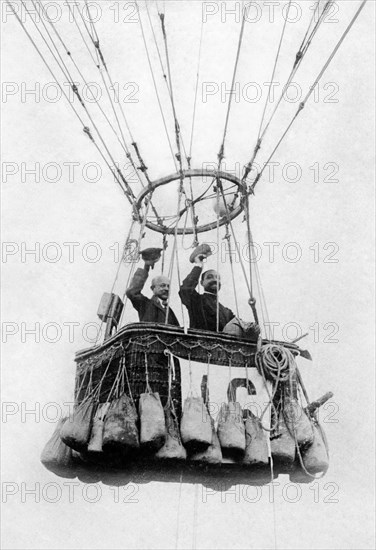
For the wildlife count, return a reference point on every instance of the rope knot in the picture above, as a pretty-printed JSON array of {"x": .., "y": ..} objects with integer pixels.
[
  {"x": 88, "y": 133},
  {"x": 298, "y": 57}
]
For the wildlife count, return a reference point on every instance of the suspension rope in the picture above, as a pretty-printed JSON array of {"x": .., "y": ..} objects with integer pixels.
[
  {"x": 189, "y": 158},
  {"x": 306, "y": 42},
  {"x": 218, "y": 254},
  {"x": 131, "y": 271},
  {"x": 302, "y": 104},
  {"x": 229, "y": 221},
  {"x": 155, "y": 85},
  {"x": 69, "y": 53},
  {"x": 174, "y": 253},
  {"x": 227, "y": 237},
  {"x": 274, "y": 69},
  {"x": 163, "y": 69},
  {"x": 313, "y": 16},
  {"x": 264, "y": 309},
  {"x": 85, "y": 128},
  {"x": 297, "y": 62},
  {"x": 143, "y": 168},
  {"x": 222, "y": 148},
  {"x": 122, "y": 181},
  {"x": 196, "y": 90},
  {"x": 156, "y": 45},
  {"x": 177, "y": 126},
  {"x": 117, "y": 271},
  {"x": 252, "y": 300},
  {"x": 62, "y": 66},
  {"x": 80, "y": 31},
  {"x": 249, "y": 166},
  {"x": 101, "y": 60}
]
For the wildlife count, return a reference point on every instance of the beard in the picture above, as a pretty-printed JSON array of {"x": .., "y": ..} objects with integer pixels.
[{"x": 212, "y": 288}]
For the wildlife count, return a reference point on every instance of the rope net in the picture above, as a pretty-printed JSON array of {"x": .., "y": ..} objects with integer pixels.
[{"x": 187, "y": 210}]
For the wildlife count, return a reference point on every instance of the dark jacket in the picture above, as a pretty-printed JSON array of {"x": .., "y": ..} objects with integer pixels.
[
  {"x": 149, "y": 310},
  {"x": 202, "y": 308}
]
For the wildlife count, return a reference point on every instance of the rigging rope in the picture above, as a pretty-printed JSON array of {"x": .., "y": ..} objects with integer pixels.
[
  {"x": 218, "y": 255},
  {"x": 227, "y": 237},
  {"x": 155, "y": 86},
  {"x": 189, "y": 158},
  {"x": 252, "y": 300},
  {"x": 161, "y": 16},
  {"x": 222, "y": 148},
  {"x": 100, "y": 59},
  {"x": 121, "y": 259},
  {"x": 298, "y": 59},
  {"x": 175, "y": 253},
  {"x": 274, "y": 68},
  {"x": 69, "y": 53},
  {"x": 302, "y": 104},
  {"x": 229, "y": 222},
  {"x": 86, "y": 130},
  {"x": 123, "y": 183},
  {"x": 79, "y": 30},
  {"x": 177, "y": 126},
  {"x": 156, "y": 45}
]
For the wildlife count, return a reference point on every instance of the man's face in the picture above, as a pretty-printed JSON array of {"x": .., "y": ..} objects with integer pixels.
[
  {"x": 211, "y": 281},
  {"x": 161, "y": 287}
]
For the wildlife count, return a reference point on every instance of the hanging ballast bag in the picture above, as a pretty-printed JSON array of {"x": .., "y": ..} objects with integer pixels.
[
  {"x": 256, "y": 442},
  {"x": 120, "y": 426},
  {"x": 213, "y": 453},
  {"x": 195, "y": 426},
  {"x": 282, "y": 443},
  {"x": 316, "y": 457},
  {"x": 56, "y": 453},
  {"x": 231, "y": 431},
  {"x": 96, "y": 435},
  {"x": 76, "y": 429},
  {"x": 298, "y": 423},
  {"x": 173, "y": 448},
  {"x": 152, "y": 420}
]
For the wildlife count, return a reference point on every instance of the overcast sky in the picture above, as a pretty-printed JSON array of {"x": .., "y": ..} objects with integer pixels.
[{"x": 318, "y": 204}]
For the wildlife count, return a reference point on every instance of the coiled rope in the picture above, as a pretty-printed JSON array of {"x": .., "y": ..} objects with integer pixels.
[{"x": 275, "y": 363}]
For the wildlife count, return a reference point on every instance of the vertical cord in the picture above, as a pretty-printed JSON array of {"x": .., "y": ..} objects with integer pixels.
[
  {"x": 228, "y": 239},
  {"x": 195, "y": 515},
  {"x": 218, "y": 254},
  {"x": 207, "y": 392},
  {"x": 178, "y": 513},
  {"x": 181, "y": 191},
  {"x": 190, "y": 375},
  {"x": 148, "y": 388},
  {"x": 221, "y": 151}
]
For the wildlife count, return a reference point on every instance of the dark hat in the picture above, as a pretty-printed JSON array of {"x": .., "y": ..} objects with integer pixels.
[
  {"x": 201, "y": 249},
  {"x": 151, "y": 254}
]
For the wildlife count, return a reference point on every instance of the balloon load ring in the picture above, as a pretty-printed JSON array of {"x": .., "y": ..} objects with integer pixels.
[{"x": 229, "y": 213}]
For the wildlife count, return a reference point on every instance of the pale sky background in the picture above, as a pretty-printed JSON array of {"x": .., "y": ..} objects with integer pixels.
[{"x": 321, "y": 294}]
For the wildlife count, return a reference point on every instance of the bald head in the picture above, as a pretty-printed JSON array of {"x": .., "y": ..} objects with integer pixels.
[{"x": 160, "y": 286}]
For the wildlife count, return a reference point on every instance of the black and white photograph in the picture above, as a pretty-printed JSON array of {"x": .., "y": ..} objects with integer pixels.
[{"x": 188, "y": 274}]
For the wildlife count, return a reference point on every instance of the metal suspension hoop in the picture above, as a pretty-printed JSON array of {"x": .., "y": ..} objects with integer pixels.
[{"x": 233, "y": 212}]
